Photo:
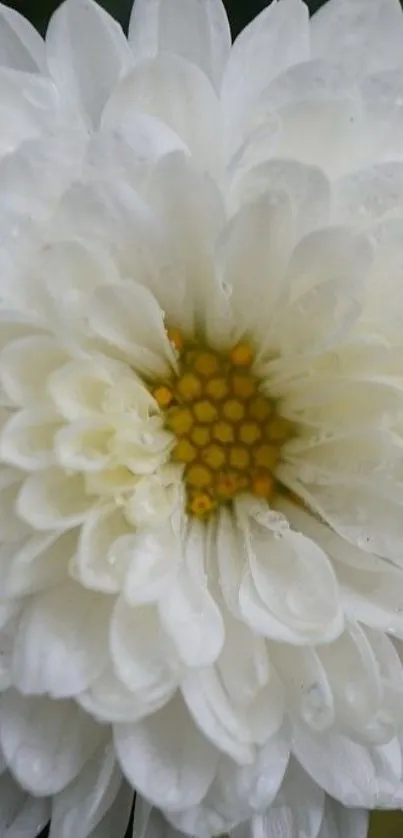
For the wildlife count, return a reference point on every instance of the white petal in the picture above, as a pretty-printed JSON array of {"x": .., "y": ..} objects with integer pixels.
[
  {"x": 54, "y": 500},
  {"x": 128, "y": 317},
  {"x": 12, "y": 528},
  {"x": 81, "y": 806},
  {"x": 253, "y": 785},
  {"x": 61, "y": 644},
  {"x": 197, "y": 32},
  {"x": 299, "y": 805},
  {"x": 10, "y": 619},
  {"x": 374, "y": 597},
  {"x": 82, "y": 388},
  {"x": 243, "y": 664},
  {"x": 188, "y": 612},
  {"x": 141, "y": 655},
  {"x": 354, "y": 678},
  {"x": 306, "y": 187},
  {"x": 166, "y": 758},
  {"x": 276, "y": 38},
  {"x": 38, "y": 562},
  {"x": 45, "y": 742},
  {"x": 323, "y": 278},
  {"x": 259, "y": 236},
  {"x": 306, "y": 684},
  {"x": 116, "y": 820},
  {"x": 281, "y": 562},
  {"x": 27, "y": 439},
  {"x": 153, "y": 558},
  {"x": 192, "y": 230},
  {"x": 108, "y": 700},
  {"x": 99, "y": 564},
  {"x": 28, "y": 106},
  {"x": 21, "y": 816},
  {"x": 179, "y": 95},
  {"x": 87, "y": 54},
  {"x": 231, "y": 560},
  {"x": 25, "y": 366},
  {"x": 363, "y": 38},
  {"x": 354, "y": 775},
  {"x": 85, "y": 445},
  {"x": 216, "y": 716},
  {"x": 20, "y": 45},
  {"x": 341, "y": 822}
]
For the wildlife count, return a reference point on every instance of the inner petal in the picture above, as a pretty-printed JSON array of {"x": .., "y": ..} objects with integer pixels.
[{"x": 229, "y": 434}]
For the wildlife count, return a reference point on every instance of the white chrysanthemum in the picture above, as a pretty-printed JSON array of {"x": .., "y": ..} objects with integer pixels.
[{"x": 213, "y": 613}]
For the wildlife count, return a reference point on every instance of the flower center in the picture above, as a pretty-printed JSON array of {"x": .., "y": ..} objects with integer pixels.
[{"x": 228, "y": 433}]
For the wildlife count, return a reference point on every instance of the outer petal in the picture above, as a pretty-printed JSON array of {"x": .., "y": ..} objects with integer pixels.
[
  {"x": 356, "y": 776},
  {"x": 341, "y": 822},
  {"x": 175, "y": 92},
  {"x": 20, "y": 45},
  {"x": 38, "y": 562},
  {"x": 21, "y": 816},
  {"x": 366, "y": 38},
  {"x": 61, "y": 644},
  {"x": 81, "y": 806},
  {"x": 298, "y": 807},
  {"x": 166, "y": 758},
  {"x": 87, "y": 54},
  {"x": 276, "y": 38},
  {"x": 196, "y": 31},
  {"x": 45, "y": 742}
]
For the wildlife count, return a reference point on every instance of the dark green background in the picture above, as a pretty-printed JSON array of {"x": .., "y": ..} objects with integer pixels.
[{"x": 240, "y": 12}]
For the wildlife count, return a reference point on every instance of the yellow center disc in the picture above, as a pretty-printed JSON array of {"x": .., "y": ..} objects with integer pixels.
[{"x": 229, "y": 434}]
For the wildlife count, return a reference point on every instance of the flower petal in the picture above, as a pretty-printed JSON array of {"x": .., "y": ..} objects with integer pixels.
[
  {"x": 53, "y": 500},
  {"x": 87, "y": 54},
  {"x": 61, "y": 643},
  {"x": 12, "y": 528},
  {"x": 188, "y": 612},
  {"x": 276, "y": 38},
  {"x": 129, "y": 317},
  {"x": 38, "y": 562},
  {"x": 281, "y": 563},
  {"x": 197, "y": 32},
  {"x": 45, "y": 742},
  {"x": 166, "y": 758},
  {"x": 341, "y": 822},
  {"x": 98, "y": 563},
  {"x": 108, "y": 700},
  {"x": 153, "y": 558},
  {"x": 306, "y": 684},
  {"x": 358, "y": 776},
  {"x": 179, "y": 95},
  {"x": 298, "y": 807},
  {"x": 20, "y": 45},
  {"x": 25, "y": 365},
  {"x": 363, "y": 38},
  {"x": 21, "y": 816},
  {"x": 141, "y": 655},
  {"x": 81, "y": 806},
  {"x": 27, "y": 439}
]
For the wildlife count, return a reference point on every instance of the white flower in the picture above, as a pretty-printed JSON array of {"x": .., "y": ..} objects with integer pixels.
[{"x": 201, "y": 488}]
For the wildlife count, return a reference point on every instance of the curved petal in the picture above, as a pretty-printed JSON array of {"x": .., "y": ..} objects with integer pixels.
[
  {"x": 153, "y": 558},
  {"x": 108, "y": 700},
  {"x": 307, "y": 689},
  {"x": 197, "y": 32},
  {"x": 188, "y": 611},
  {"x": 45, "y": 742},
  {"x": 298, "y": 807},
  {"x": 276, "y": 38},
  {"x": 25, "y": 365},
  {"x": 20, "y": 45},
  {"x": 179, "y": 95},
  {"x": 87, "y": 54},
  {"x": 81, "y": 805},
  {"x": 141, "y": 655},
  {"x": 281, "y": 564},
  {"x": 61, "y": 643},
  {"x": 52, "y": 500},
  {"x": 21, "y": 816},
  {"x": 341, "y": 822},
  {"x": 38, "y": 562},
  {"x": 99, "y": 564},
  {"x": 85, "y": 445},
  {"x": 166, "y": 758},
  {"x": 27, "y": 439},
  {"x": 12, "y": 527},
  {"x": 363, "y": 38},
  {"x": 357, "y": 776}
]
